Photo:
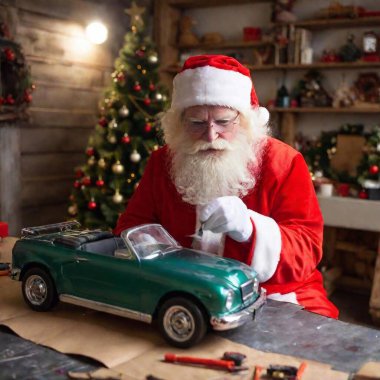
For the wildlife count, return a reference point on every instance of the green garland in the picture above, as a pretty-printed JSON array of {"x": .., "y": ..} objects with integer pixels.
[{"x": 318, "y": 154}]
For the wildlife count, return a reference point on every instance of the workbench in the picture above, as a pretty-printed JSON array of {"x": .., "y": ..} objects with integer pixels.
[
  {"x": 280, "y": 327},
  {"x": 356, "y": 214}
]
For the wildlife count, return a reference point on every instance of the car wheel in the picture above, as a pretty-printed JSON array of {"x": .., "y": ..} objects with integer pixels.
[
  {"x": 39, "y": 290},
  {"x": 182, "y": 322}
]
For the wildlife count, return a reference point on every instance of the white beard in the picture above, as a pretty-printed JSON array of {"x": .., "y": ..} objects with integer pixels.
[{"x": 201, "y": 176}]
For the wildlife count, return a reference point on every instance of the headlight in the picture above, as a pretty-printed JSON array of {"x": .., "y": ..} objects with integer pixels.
[
  {"x": 255, "y": 285},
  {"x": 229, "y": 299}
]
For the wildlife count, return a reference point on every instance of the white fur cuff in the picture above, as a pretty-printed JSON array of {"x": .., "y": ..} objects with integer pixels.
[{"x": 268, "y": 246}]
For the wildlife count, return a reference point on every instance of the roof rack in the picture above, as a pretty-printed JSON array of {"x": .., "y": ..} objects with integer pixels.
[{"x": 50, "y": 228}]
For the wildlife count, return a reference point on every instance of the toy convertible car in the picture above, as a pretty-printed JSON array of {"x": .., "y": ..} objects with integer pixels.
[{"x": 144, "y": 275}]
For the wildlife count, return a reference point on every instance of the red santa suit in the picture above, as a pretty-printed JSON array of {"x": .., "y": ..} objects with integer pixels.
[{"x": 286, "y": 244}]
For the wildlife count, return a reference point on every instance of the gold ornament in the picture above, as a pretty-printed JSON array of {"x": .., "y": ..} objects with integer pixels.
[
  {"x": 73, "y": 210},
  {"x": 117, "y": 168},
  {"x": 117, "y": 198},
  {"x": 112, "y": 139},
  {"x": 91, "y": 161},
  {"x": 102, "y": 163},
  {"x": 135, "y": 156},
  {"x": 124, "y": 111},
  {"x": 112, "y": 124},
  {"x": 153, "y": 58}
]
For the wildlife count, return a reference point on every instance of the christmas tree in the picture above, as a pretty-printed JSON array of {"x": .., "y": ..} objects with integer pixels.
[{"x": 126, "y": 133}]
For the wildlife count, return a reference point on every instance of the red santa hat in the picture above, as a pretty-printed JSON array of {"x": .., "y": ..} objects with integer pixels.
[{"x": 215, "y": 80}]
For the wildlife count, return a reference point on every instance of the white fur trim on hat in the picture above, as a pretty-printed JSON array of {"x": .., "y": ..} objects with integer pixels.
[
  {"x": 268, "y": 246},
  {"x": 263, "y": 115},
  {"x": 213, "y": 86}
]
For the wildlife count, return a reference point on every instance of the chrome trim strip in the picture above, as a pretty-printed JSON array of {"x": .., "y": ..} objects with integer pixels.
[
  {"x": 15, "y": 274},
  {"x": 99, "y": 306},
  {"x": 232, "y": 321}
]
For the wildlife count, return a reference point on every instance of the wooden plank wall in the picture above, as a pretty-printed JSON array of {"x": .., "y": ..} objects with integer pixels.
[{"x": 69, "y": 79}]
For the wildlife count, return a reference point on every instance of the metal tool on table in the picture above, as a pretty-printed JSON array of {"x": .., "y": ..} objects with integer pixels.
[
  {"x": 285, "y": 372},
  {"x": 229, "y": 365},
  {"x": 197, "y": 237}
]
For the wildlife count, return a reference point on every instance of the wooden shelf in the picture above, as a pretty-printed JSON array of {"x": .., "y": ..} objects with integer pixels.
[
  {"x": 325, "y": 110},
  {"x": 318, "y": 65},
  {"x": 226, "y": 45},
  {"x": 186, "y": 4},
  {"x": 335, "y": 23}
]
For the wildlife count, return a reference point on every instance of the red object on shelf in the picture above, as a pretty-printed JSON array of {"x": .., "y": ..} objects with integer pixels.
[
  {"x": 365, "y": 13},
  {"x": 371, "y": 57},
  {"x": 251, "y": 34},
  {"x": 343, "y": 189},
  {"x": 3, "y": 229}
]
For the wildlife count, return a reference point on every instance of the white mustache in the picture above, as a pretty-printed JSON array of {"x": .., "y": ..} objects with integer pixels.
[{"x": 219, "y": 144}]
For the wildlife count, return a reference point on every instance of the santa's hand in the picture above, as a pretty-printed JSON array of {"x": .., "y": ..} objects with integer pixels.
[{"x": 228, "y": 215}]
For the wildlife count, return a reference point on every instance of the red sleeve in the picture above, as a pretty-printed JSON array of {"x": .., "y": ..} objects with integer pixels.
[{"x": 297, "y": 213}]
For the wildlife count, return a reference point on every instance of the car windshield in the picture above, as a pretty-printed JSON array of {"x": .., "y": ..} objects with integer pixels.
[{"x": 149, "y": 241}]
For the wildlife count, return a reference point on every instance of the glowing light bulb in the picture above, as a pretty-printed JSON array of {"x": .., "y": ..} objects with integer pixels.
[{"x": 96, "y": 32}]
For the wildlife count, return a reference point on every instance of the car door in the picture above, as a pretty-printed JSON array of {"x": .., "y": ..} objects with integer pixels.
[{"x": 105, "y": 279}]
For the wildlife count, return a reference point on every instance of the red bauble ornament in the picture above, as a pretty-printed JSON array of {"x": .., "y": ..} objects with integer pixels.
[
  {"x": 86, "y": 181},
  {"x": 363, "y": 194},
  {"x": 27, "y": 97},
  {"x": 100, "y": 183},
  {"x": 120, "y": 78},
  {"x": 10, "y": 100},
  {"x": 148, "y": 127},
  {"x": 103, "y": 122},
  {"x": 125, "y": 139},
  {"x": 79, "y": 173},
  {"x": 140, "y": 53},
  {"x": 373, "y": 169},
  {"x": 77, "y": 184},
  {"x": 90, "y": 151},
  {"x": 2, "y": 100},
  {"x": 9, "y": 54},
  {"x": 147, "y": 101},
  {"x": 152, "y": 87},
  {"x": 92, "y": 205},
  {"x": 137, "y": 87}
]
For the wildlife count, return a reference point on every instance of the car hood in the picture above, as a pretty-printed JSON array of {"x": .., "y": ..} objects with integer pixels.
[{"x": 204, "y": 265}]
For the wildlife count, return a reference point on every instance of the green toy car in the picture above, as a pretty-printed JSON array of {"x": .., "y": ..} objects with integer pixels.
[{"x": 143, "y": 275}]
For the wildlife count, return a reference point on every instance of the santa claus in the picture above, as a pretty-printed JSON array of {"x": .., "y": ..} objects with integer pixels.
[{"x": 222, "y": 183}]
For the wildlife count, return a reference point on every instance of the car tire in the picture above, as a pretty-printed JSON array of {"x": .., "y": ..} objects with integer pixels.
[
  {"x": 182, "y": 322},
  {"x": 38, "y": 289}
]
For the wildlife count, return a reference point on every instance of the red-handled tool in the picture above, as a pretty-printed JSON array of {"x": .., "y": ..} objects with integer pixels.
[{"x": 215, "y": 363}]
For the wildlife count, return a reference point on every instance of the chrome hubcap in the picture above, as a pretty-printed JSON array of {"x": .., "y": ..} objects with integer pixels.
[
  {"x": 36, "y": 289},
  {"x": 179, "y": 323}
]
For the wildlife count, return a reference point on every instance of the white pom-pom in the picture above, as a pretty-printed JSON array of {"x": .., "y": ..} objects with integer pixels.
[{"x": 263, "y": 115}]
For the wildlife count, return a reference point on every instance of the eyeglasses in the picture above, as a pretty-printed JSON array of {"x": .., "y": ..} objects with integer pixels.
[{"x": 222, "y": 125}]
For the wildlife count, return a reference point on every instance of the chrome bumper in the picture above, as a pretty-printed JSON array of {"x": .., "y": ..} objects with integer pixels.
[
  {"x": 15, "y": 274},
  {"x": 235, "y": 320}
]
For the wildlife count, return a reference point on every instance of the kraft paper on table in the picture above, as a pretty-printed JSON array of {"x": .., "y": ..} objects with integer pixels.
[{"x": 132, "y": 348}]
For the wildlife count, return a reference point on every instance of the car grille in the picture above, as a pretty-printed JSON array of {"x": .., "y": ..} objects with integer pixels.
[{"x": 247, "y": 290}]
